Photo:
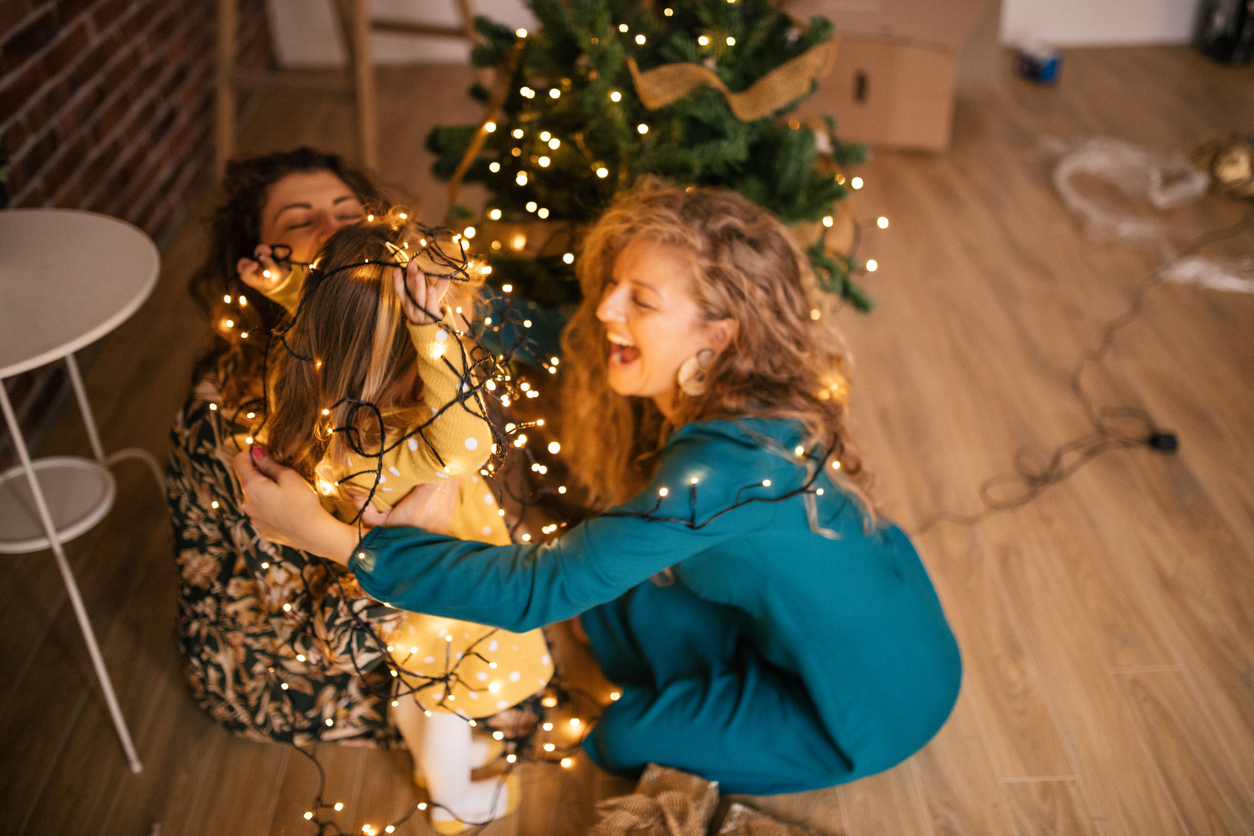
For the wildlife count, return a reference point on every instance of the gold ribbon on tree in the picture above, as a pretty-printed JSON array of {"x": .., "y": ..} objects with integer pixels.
[{"x": 786, "y": 83}]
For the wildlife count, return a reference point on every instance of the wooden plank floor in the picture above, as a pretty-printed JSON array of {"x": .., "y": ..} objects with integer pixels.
[{"x": 1106, "y": 627}]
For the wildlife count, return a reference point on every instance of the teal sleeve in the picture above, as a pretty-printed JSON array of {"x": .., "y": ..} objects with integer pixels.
[{"x": 520, "y": 587}]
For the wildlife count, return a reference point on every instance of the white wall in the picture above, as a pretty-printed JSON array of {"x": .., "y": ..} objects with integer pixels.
[
  {"x": 305, "y": 34},
  {"x": 1098, "y": 22}
]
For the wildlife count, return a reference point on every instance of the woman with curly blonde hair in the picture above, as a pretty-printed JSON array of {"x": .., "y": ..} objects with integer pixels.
[{"x": 766, "y": 629}]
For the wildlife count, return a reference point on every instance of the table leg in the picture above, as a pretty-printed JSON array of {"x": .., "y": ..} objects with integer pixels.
[
  {"x": 76, "y": 600},
  {"x": 93, "y": 434},
  {"x": 89, "y": 420}
]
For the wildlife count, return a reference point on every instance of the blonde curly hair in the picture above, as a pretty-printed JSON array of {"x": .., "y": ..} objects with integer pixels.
[{"x": 787, "y": 359}]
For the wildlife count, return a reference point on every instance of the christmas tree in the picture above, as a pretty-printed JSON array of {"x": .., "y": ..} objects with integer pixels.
[{"x": 606, "y": 91}]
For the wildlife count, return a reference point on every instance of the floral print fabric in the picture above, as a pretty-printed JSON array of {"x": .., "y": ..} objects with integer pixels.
[{"x": 275, "y": 645}]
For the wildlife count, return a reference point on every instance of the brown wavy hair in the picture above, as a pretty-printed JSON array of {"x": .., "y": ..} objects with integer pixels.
[
  {"x": 353, "y": 330},
  {"x": 235, "y": 232},
  {"x": 787, "y": 359}
]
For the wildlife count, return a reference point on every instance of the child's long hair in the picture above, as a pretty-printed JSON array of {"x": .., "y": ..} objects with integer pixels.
[
  {"x": 788, "y": 358},
  {"x": 353, "y": 330}
]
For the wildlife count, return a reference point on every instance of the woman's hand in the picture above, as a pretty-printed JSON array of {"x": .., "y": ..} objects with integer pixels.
[
  {"x": 262, "y": 274},
  {"x": 429, "y": 505},
  {"x": 422, "y": 302},
  {"x": 284, "y": 509}
]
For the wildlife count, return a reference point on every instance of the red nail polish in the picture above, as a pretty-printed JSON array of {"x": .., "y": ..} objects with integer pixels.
[{"x": 257, "y": 453}]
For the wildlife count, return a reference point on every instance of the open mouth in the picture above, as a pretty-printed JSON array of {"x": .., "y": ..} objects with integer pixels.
[{"x": 622, "y": 349}]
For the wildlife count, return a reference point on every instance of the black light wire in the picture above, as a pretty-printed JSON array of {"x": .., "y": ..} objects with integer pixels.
[{"x": 1069, "y": 457}]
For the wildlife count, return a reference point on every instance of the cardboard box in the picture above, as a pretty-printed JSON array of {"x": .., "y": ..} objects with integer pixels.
[{"x": 893, "y": 83}]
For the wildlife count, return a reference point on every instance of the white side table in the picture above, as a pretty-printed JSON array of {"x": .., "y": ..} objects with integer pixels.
[{"x": 67, "y": 278}]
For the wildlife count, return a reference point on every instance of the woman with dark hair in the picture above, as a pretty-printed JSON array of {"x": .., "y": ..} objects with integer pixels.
[
  {"x": 767, "y": 629},
  {"x": 269, "y": 641}
]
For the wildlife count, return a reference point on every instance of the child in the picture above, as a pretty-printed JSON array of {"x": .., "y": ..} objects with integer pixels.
[{"x": 369, "y": 395}]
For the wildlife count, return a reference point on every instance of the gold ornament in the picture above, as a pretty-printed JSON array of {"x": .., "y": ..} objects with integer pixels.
[{"x": 1230, "y": 162}]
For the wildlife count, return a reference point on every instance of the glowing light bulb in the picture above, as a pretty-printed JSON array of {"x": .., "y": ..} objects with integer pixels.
[
  {"x": 640, "y": 40},
  {"x": 549, "y": 702},
  {"x": 555, "y": 447},
  {"x": 569, "y": 258},
  {"x": 819, "y": 492},
  {"x": 614, "y": 695},
  {"x": 213, "y": 407},
  {"x": 567, "y": 763},
  {"x": 642, "y": 129},
  {"x": 668, "y": 12},
  {"x": 213, "y": 504},
  {"x": 882, "y": 222},
  {"x": 622, "y": 27},
  {"x": 828, "y": 221},
  {"x": 731, "y": 41},
  {"x": 339, "y": 805},
  {"x": 872, "y": 265},
  {"x": 574, "y": 721},
  {"x": 549, "y": 747},
  {"x": 510, "y": 758},
  {"x": 694, "y": 480},
  {"x": 300, "y": 657},
  {"x": 703, "y": 40},
  {"x": 544, "y": 162},
  {"x": 518, "y": 133},
  {"x": 227, "y": 298},
  {"x": 554, "y": 93},
  {"x": 835, "y": 465},
  {"x": 554, "y": 144},
  {"x": 521, "y": 178},
  {"x": 508, "y": 287},
  {"x": 469, "y": 232},
  {"x": 615, "y": 96},
  {"x": 815, "y": 313},
  {"x": 243, "y": 301},
  {"x": 561, "y": 489},
  {"x": 494, "y": 214},
  {"x": 531, "y": 205},
  {"x": 602, "y": 171},
  {"x": 229, "y": 323},
  {"x": 308, "y": 815},
  {"x": 490, "y": 127},
  {"x": 494, "y": 167},
  {"x": 856, "y": 182},
  {"x": 766, "y": 483},
  {"x": 403, "y": 216},
  {"x": 527, "y": 93},
  {"x": 522, "y": 33}
]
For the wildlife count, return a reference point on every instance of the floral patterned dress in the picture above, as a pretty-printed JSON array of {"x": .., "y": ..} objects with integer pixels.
[{"x": 275, "y": 645}]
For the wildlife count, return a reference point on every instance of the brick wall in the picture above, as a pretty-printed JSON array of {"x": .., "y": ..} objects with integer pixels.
[{"x": 107, "y": 105}]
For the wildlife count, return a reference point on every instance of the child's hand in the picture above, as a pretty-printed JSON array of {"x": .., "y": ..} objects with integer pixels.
[
  {"x": 262, "y": 274},
  {"x": 422, "y": 303}
]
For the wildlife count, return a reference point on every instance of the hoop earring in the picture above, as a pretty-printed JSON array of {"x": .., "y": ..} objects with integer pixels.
[{"x": 692, "y": 373}]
